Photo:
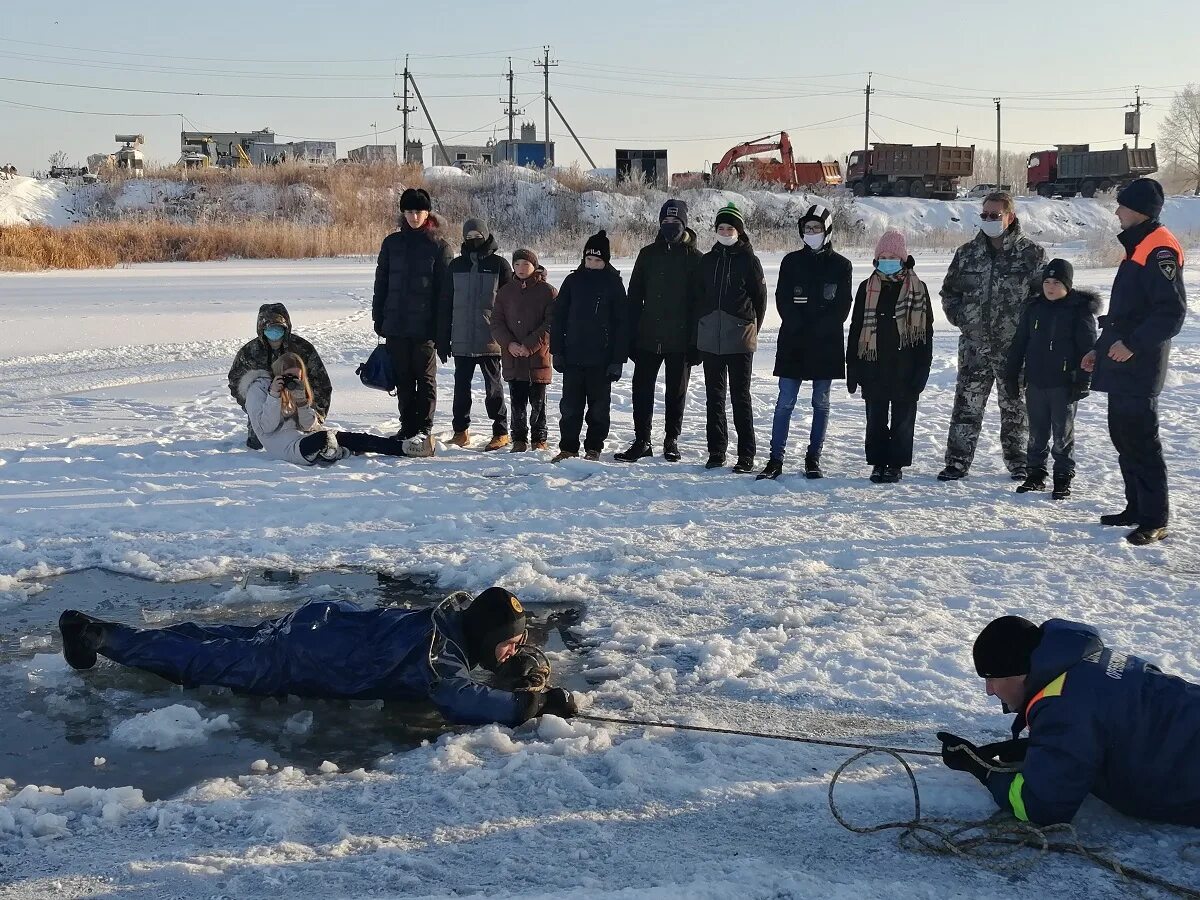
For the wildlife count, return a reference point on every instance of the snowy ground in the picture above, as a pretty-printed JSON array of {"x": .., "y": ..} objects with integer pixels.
[{"x": 798, "y": 606}]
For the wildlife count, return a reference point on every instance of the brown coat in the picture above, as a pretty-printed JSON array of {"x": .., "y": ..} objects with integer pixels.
[{"x": 522, "y": 315}]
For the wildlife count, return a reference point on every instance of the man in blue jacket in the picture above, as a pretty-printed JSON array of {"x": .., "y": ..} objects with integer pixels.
[
  {"x": 1146, "y": 309},
  {"x": 1100, "y": 722},
  {"x": 337, "y": 650}
]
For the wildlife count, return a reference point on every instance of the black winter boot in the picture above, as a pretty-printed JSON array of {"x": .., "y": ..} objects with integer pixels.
[
  {"x": 812, "y": 466},
  {"x": 891, "y": 474},
  {"x": 745, "y": 465},
  {"x": 715, "y": 461},
  {"x": 1062, "y": 486},
  {"x": 773, "y": 470},
  {"x": 637, "y": 450},
  {"x": 1020, "y": 474},
  {"x": 877, "y": 474},
  {"x": 952, "y": 473},
  {"x": 82, "y": 636},
  {"x": 1035, "y": 480},
  {"x": 671, "y": 450}
]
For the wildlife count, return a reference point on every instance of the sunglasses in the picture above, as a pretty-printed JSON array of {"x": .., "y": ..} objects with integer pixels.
[{"x": 991, "y": 217}]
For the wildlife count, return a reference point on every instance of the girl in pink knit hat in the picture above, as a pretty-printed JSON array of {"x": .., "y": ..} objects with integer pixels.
[{"x": 889, "y": 353}]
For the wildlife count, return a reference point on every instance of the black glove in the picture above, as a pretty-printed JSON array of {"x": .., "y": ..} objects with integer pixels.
[
  {"x": 559, "y": 702},
  {"x": 851, "y": 385},
  {"x": 523, "y": 672},
  {"x": 1013, "y": 386},
  {"x": 378, "y": 326},
  {"x": 614, "y": 372},
  {"x": 558, "y": 366},
  {"x": 955, "y": 755},
  {"x": 443, "y": 353},
  {"x": 694, "y": 357},
  {"x": 1005, "y": 752},
  {"x": 1079, "y": 390}
]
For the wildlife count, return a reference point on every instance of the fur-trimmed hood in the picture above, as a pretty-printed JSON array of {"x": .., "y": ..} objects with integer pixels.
[{"x": 248, "y": 379}]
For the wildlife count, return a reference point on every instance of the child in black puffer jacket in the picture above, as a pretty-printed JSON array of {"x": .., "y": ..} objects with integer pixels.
[{"x": 1056, "y": 330}]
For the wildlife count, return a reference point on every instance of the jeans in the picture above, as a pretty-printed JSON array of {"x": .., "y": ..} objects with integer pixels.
[
  {"x": 645, "y": 376},
  {"x": 1133, "y": 426},
  {"x": 493, "y": 389},
  {"x": 789, "y": 390},
  {"x": 355, "y": 442},
  {"x": 729, "y": 372},
  {"x": 528, "y": 411},
  {"x": 584, "y": 387},
  {"x": 1051, "y": 414},
  {"x": 415, "y": 363}
]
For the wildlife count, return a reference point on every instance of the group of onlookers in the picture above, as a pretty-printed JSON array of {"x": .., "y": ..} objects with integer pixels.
[{"x": 1024, "y": 327}]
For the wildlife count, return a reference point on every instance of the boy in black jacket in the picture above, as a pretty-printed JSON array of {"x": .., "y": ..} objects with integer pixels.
[
  {"x": 589, "y": 340},
  {"x": 1055, "y": 332}
]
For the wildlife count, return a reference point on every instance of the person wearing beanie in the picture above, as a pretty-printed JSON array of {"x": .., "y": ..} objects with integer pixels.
[
  {"x": 521, "y": 327},
  {"x": 663, "y": 295},
  {"x": 1146, "y": 309},
  {"x": 476, "y": 276},
  {"x": 338, "y": 650},
  {"x": 983, "y": 294},
  {"x": 1056, "y": 331},
  {"x": 589, "y": 341},
  {"x": 889, "y": 352},
  {"x": 731, "y": 304},
  {"x": 410, "y": 308},
  {"x": 1100, "y": 722},
  {"x": 814, "y": 297}
]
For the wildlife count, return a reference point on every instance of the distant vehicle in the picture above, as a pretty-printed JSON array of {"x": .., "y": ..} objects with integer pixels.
[
  {"x": 68, "y": 171},
  {"x": 979, "y": 191},
  {"x": 902, "y": 170},
  {"x": 784, "y": 171},
  {"x": 1072, "y": 169}
]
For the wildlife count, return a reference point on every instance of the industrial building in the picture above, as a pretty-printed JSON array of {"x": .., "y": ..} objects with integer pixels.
[{"x": 231, "y": 149}]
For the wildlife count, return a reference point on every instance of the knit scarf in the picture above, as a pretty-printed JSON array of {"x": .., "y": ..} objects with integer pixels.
[{"x": 912, "y": 311}]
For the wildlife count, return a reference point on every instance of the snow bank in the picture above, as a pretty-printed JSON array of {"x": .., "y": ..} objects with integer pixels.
[
  {"x": 33, "y": 201},
  {"x": 50, "y": 812},
  {"x": 168, "y": 728},
  {"x": 435, "y": 172}
]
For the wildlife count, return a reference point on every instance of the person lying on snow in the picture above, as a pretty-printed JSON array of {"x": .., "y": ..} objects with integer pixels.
[
  {"x": 290, "y": 427},
  {"x": 1100, "y": 722},
  {"x": 335, "y": 649}
]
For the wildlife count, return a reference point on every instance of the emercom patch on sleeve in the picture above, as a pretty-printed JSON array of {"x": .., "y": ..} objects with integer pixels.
[{"x": 1168, "y": 264}]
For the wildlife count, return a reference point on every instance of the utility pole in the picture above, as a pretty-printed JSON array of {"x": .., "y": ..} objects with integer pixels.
[
  {"x": 867, "y": 130},
  {"x": 1136, "y": 106},
  {"x": 591, "y": 161},
  {"x": 998, "y": 179},
  {"x": 437, "y": 137},
  {"x": 545, "y": 65},
  {"x": 375, "y": 125},
  {"x": 405, "y": 109},
  {"x": 511, "y": 112}
]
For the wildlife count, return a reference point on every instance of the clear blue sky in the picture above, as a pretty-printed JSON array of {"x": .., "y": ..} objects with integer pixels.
[{"x": 692, "y": 78}]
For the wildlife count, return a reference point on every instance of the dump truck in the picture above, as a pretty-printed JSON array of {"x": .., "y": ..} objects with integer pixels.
[
  {"x": 1072, "y": 169},
  {"x": 783, "y": 171},
  {"x": 902, "y": 170}
]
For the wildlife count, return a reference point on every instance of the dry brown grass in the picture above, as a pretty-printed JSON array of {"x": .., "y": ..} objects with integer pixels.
[{"x": 106, "y": 244}]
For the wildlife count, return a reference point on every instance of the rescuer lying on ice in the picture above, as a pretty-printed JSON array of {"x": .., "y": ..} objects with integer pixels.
[
  {"x": 1100, "y": 722},
  {"x": 334, "y": 649}
]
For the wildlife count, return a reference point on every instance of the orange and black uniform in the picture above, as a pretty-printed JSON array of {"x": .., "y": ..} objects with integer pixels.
[{"x": 1146, "y": 309}]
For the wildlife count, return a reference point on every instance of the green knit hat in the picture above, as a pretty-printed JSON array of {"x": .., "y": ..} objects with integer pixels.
[{"x": 729, "y": 214}]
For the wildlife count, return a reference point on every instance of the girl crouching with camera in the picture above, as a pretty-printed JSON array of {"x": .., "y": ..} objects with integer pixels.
[{"x": 280, "y": 407}]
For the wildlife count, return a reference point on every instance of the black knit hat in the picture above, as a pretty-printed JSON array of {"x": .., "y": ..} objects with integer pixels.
[
  {"x": 476, "y": 223},
  {"x": 676, "y": 208},
  {"x": 729, "y": 214},
  {"x": 597, "y": 245},
  {"x": 1144, "y": 196},
  {"x": 1060, "y": 270},
  {"x": 415, "y": 199},
  {"x": 524, "y": 254},
  {"x": 493, "y": 617},
  {"x": 1005, "y": 647}
]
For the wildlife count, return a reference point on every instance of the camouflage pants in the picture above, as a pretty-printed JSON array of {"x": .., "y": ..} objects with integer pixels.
[{"x": 978, "y": 367}]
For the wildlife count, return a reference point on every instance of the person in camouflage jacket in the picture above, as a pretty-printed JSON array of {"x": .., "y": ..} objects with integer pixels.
[
  {"x": 984, "y": 293},
  {"x": 261, "y": 352}
]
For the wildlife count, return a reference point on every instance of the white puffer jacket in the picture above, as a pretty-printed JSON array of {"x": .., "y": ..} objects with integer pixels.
[{"x": 280, "y": 435}]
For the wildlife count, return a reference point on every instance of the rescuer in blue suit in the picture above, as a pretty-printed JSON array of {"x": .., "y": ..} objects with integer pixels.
[
  {"x": 1100, "y": 722},
  {"x": 335, "y": 649}
]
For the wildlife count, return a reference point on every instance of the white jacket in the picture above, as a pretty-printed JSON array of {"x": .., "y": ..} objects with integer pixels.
[{"x": 280, "y": 435}]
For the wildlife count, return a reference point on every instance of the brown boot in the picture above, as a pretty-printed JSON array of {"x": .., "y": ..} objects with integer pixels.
[
  {"x": 540, "y": 445},
  {"x": 519, "y": 447},
  {"x": 460, "y": 439},
  {"x": 592, "y": 455},
  {"x": 563, "y": 454},
  {"x": 499, "y": 442}
]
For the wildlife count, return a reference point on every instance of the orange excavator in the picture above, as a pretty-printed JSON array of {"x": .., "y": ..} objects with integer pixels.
[{"x": 785, "y": 171}]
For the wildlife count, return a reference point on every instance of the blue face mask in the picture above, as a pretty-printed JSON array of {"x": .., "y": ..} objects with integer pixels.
[
  {"x": 889, "y": 266},
  {"x": 274, "y": 332}
]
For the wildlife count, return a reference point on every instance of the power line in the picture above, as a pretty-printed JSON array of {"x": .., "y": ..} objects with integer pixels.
[
  {"x": 89, "y": 112},
  {"x": 974, "y": 137},
  {"x": 129, "y": 90}
]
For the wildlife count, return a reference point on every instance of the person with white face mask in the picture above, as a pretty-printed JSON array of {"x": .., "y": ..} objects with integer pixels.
[
  {"x": 813, "y": 298},
  {"x": 984, "y": 293}
]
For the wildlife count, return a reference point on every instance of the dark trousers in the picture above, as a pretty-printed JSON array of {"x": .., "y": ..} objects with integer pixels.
[
  {"x": 890, "y": 425},
  {"x": 1133, "y": 427},
  {"x": 493, "y": 392},
  {"x": 528, "y": 411},
  {"x": 355, "y": 442},
  {"x": 590, "y": 387},
  {"x": 415, "y": 363},
  {"x": 729, "y": 373},
  {"x": 645, "y": 376},
  {"x": 1051, "y": 415}
]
